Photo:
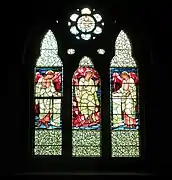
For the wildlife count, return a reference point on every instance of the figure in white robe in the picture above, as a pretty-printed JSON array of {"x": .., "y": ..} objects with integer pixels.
[
  {"x": 124, "y": 102},
  {"x": 87, "y": 97},
  {"x": 49, "y": 106}
]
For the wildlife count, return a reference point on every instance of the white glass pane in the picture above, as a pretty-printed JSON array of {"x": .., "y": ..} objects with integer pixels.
[
  {"x": 49, "y": 41},
  {"x": 123, "y": 56},
  {"x": 122, "y": 41},
  {"x": 85, "y": 11},
  {"x": 71, "y": 51},
  {"x": 73, "y": 30},
  {"x": 101, "y": 51},
  {"x": 97, "y": 17},
  {"x": 74, "y": 17},
  {"x": 69, "y": 23},
  {"x": 49, "y": 52},
  {"x": 98, "y": 30},
  {"x": 123, "y": 59},
  {"x": 86, "y": 36}
]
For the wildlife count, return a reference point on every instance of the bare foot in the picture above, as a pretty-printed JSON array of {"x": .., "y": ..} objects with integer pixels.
[{"x": 91, "y": 119}]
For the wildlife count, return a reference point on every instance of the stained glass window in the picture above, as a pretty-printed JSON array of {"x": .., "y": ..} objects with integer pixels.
[
  {"x": 48, "y": 98},
  {"x": 85, "y": 23},
  {"x": 86, "y": 100},
  {"x": 124, "y": 106}
]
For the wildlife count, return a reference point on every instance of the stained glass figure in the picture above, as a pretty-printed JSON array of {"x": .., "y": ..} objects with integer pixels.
[
  {"x": 85, "y": 24},
  {"x": 86, "y": 110},
  {"x": 48, "y": 96},
  {"x": 124, "y": 100}
]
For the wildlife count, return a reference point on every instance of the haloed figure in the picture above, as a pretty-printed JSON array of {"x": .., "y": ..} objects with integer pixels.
[
  {"x": 87, "y": 96},
  {"x": 129, "y": 100},
  {"x": 49, "y": 107},
  {"x": 124, "y": 101}
]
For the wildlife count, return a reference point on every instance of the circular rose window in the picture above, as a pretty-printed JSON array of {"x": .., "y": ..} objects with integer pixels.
[{"x": 85, "y": 24}]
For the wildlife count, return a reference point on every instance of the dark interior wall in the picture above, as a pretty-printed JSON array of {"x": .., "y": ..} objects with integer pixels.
[{"x": 147, "y": 28}]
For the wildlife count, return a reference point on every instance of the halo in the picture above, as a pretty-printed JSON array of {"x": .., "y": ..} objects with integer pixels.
[
  {"x": 50, "y": 72},
  {"x": 125, "y": 73}
]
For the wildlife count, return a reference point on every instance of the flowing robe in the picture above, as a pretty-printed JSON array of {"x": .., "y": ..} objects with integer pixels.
[
  {"x": 87, "y": 97},
  {"x": 124, "y": 100},
  {"x": 49, "y": 108}
]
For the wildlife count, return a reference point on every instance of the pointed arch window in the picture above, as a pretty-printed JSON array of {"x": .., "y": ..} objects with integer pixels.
[
  {"x": 124, "y": 102},
  {"x": 48, "y": 95},
  {"x": 86, "y": 102},
  {"x": 86, "y": 98}
]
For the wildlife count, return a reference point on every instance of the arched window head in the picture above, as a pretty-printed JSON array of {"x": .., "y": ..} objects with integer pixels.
[
  {"x": 124, "y": 104},
  {"x": 86, "y": 62},
  {"x": 122, "y": 42},
  {"x": 49, "y": 52},
  {"x": 48, "y": 95},
  {"x": 86, "y": 103},
  {"x": 85, "y": 24},
  {"x": 123, "y": 52}
]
